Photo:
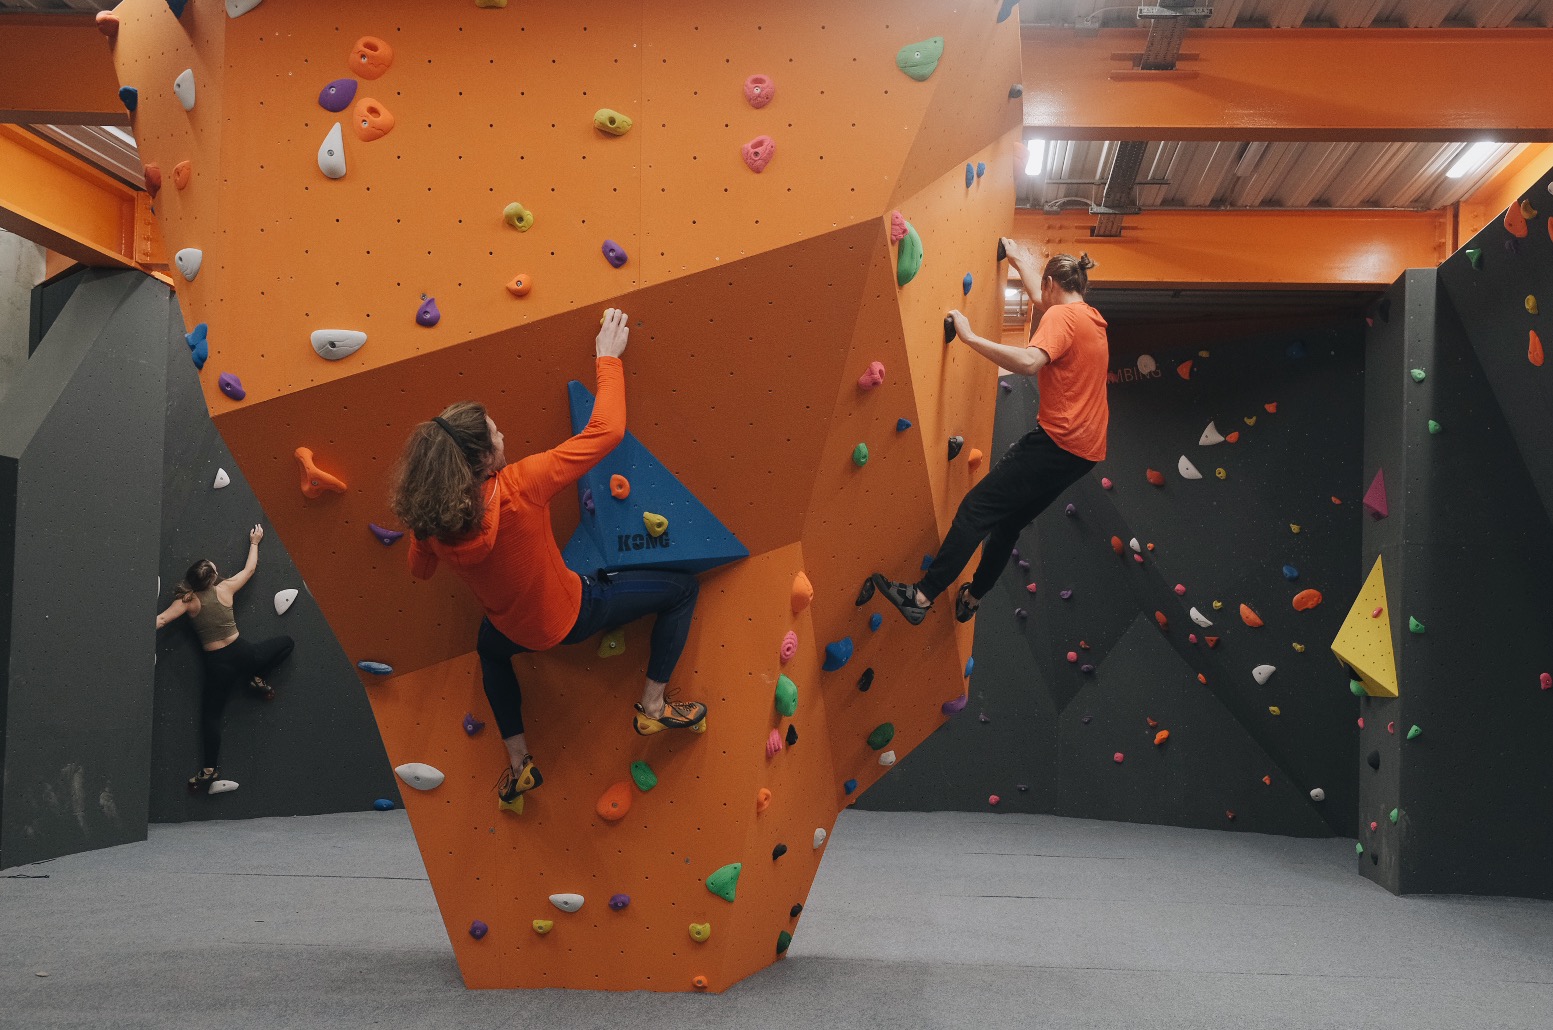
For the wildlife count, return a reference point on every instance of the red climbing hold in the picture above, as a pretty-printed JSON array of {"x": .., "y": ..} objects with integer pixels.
[
  {"x": 152, "y": 174},
  {"x": 1159, "y": 617},
  {"x": 1270, "y": 408},
  {"x": 1267, "y": 780},
  {"x": 1229, "y": 815},
  {"x": 1546, "y": 679},
  {"x": 1375, "y": 496},
  {"x": 1155, "y": 477},
  {"x": 1233, "y": 437},
  {"x": 993, "y": 799},
  {"x": 872, "y": 376},
  {"x": 1153, "y": 722},
  {"x": 1184, "y": 370},
  {"x": 1212, "y": 642},
  {"x": 1249, "y": 617},
  {"x": 1306, "y": 600},
  {"x": 1534, "y": 348},
  {"x": 1202, "y": 679},
  {"x": 1116, "y": 544}
]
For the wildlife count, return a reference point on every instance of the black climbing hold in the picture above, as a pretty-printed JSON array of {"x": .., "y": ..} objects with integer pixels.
[
  {"x": 778, "y": 851},
  {"x": 948, "y": 328},
  {"x": 1003, "y": 251},
  {"x": 955, "y": 443},
  {"x": 866, "y": 680},
  {"x": 792, "y": 735},
  {"x": 1374, "y": 760},
  {"x": 793, "y": 912},
  {"x": 866, "y": 594},
  {"x": 1015, "y": 91}
]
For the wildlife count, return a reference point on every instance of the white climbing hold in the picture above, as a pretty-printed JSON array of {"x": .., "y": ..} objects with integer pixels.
[
  {"x": 222, "y": 480},
  {"x": 1137, "y": 548},
  {"x": 1318, "y": 794},
  {"x": 566, "y": 902},
  {"x": 1187, "y": 469},
  {"x": 331, "y": 153},
  {"x": 1146, "y": 364},
  {"x": 284, "y": 599},
  {"x": 238, "y": 8},
  {"x": 183, "y": 87},
  {"x": 1263, "y": 673},
  {"x": 1210, "y": 436},
  {"x": 423, "y": 777},
  {"x": 887, "y": 759},
  {"x": 188, "y": 261},
  {"x": 222, "y": 787},
  {"x": 819, "y": 836},
  {"x": 334, "y": 344},
  {"x": 1199, "y": 618}
]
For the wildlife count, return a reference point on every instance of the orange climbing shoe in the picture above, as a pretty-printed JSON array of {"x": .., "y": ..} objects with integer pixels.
[
  {"x": 677, "y": 715},
  {"x": 513, "y": 785}
]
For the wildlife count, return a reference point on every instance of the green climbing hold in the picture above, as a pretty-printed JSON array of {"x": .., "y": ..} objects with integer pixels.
[
  {"x": 1414, "y": 625},
  {"x": 1418, "y": 374},
  {"x": 1392, "y": 815},
  {"x": 725, "y": 881},
  {"x": 908, "y": 256},
  {"x": 860, "y": 455},
  {"x": 1434, "y": 427},
  {"x": 645, "y": 778},
  {"x": 919, "y": 60},
  {"x": 1358, "y": 849},
  {"x": 783, "y": 940},
  {"x": 1414, "y": 732},
  {"x": 880, "y": 738},
  {"x": 786, "y": 696},
  {"x": 1475, "y": 258},
  {"x": 1356, "y": 687}
]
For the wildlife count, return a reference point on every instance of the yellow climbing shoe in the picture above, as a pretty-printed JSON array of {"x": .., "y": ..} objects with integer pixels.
[
  {"x": 513, "y": 785},
  {"x": 677, "y": 715}
]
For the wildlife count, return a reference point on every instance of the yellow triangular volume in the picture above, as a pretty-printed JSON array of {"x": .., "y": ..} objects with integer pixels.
[{"x": 1364, "y": 641}]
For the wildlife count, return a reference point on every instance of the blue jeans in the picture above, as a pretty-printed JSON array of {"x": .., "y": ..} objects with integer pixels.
[{"x": 607, "y": 604}]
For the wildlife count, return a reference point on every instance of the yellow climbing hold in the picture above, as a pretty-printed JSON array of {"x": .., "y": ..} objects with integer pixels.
[
  {"x": 612, "y": 122},
  {"x": 1364, "y": 642},
  {"x": 1274, "y": 710},
  {"x": 1249, "y": 420},
  {"x": 656, "y": 525},
  {"x": 518, "y": 216},
  {"x": 1300, "y": 648},
  {"x": 543, "y": 926},
  {"x": 1531, "y": 304},
  {"x": 1221, "y": 473},
  {"x": 1217, "y": 605},
  {"x": 700, "y": 932},
  {"x": 491, "y": 4},
  {"x": 1527, "y": 211},
  {"x": 1294, "y": 527},
  {"x": 613, "y": 643}
]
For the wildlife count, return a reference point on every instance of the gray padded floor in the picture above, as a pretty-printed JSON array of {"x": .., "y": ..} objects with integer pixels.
[{"x": 941, "y": 920}]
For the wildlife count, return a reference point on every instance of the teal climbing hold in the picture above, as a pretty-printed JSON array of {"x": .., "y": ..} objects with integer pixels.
[
  {"x": 1414, "y": 732},
  {"x": 970, "y": 666},
  {"x": 1434, "y": 427},
  {"x": 1414, "y": 625},
  {"x": 860, "y": 455},
  {"x": 837, "y": 654},
  {"x": 908, "y": 256},
  {"x": 786, "y": 696},
  {"x": 1356, "y": 688},
  {"x": 902, "y": 424},
  {"x": 1004, "y": 11},
  {"x": 783, "y": 940},
  {"x": 1358, "y": 849},
  {"x": 725, "y": 881},
  {"x": 1392, "y": 815},
  {"x": 1475, "y": 258},
  {"x": 880, "y": 738},
  {"x": 1419, "y": 375},
  {"x": 919, "y": 60},
  {"x": 643, "y": 776},
  {"x": 199, "y": 344}
]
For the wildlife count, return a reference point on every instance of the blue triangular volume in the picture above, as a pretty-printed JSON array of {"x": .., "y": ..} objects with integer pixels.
[{"x": 613, "y": 536}]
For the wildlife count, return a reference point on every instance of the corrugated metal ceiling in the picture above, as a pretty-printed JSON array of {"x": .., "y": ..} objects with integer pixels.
[{"x": 1294, "y": 14}]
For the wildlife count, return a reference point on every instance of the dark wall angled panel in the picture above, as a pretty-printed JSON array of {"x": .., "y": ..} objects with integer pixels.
[{"x": 82, "y": 423}]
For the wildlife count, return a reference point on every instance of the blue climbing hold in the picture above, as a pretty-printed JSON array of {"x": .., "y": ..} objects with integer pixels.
[
  {"x": 849, "y": 786},
  {"x": 970, "y": 663},
  {"x": 837, "y": 654},
  {"x": 875, "y": 621},
  {"x": 965, "y": 284},
  {"x": 1003, "y": 12},
  {"x": 1296, "y": 350},
  {"x": 376, "y": 668},
  {"x": 1290, "y": 572},
  {"x": 383, "y": 805},
  {"x": 177, "y": 6},
  {"x": 970, "y": 175},
  {"x": 199, "y": 344},
  {"x": 981, "y": 169},
  {"x": 129, "y": 96},
  {"x": 902, "y": 424},
  {"x": 927, "y": 562}
]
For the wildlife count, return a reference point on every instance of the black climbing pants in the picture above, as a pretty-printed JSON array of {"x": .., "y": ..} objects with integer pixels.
[
  {"x": 607, "y": 604},
  {"x": 1024, "y": 482},
  {"x": 234, "y": 665}
]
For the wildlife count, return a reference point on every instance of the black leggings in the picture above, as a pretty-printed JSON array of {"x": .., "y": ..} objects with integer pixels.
[
  {"x": 1024, "y": 482},
  {"x": 234, "y": 665}
]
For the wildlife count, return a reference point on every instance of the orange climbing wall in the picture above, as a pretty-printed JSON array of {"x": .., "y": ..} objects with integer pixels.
[{"x": 756, "y": 301}]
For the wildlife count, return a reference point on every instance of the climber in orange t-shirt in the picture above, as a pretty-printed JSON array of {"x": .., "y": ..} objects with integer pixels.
[
  {"x": 1068, "y": 354},
  {"x": 490, "y": 522}
]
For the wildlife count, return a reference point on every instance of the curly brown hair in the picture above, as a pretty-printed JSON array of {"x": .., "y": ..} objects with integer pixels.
[
  {"x": 437, "y": 483},
  {"x": 1069, "y": 272}
]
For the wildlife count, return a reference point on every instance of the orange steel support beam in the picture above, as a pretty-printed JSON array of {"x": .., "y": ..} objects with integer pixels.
[
  {"x": 1331, "y": 85},
  {"x": 57, "y": 70},
  {"x": 53, "y": 198},
  {"x": 1507, "y": 187},
  {"x": 1358, "y": 250}
]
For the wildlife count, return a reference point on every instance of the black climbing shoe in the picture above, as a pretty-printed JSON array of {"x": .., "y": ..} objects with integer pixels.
[
  {"x": 513, "y": 785},
  {"x": 200, "y": 782},
  {"x": 677, "y": 715},
  {"x": 866, "y": 594},
  {"x": 963, "y": 612},
  {"x": 903, "y": 596},
  {"x": 261, "y": 687}
]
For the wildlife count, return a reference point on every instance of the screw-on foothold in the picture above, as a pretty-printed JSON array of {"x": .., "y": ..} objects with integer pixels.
[
  {"x": 614, "y": 253},
  {"x": 955, "y": 443}
]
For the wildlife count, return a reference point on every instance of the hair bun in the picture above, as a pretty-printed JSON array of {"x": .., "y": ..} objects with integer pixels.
[{"x": 1085, "y": 261}]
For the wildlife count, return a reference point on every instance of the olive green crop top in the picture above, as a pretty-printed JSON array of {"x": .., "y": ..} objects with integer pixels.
[{"x": 215, "y": 621}]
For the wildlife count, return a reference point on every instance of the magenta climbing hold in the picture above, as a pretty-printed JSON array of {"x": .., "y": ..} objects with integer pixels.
[
  {"x": 386, "y": 537},
  {"x": 956, "y": 706},
  {"x": 758, "y": 152},
  {"x": 427, "y": 314},
  {"x": 789, "y": 647},
  {"x": 773, "y": 743},
  {"x": 1375, "y": 496},
  {"x": 872, "y": 376},
  {"x": 614, "y": 253},
  {"x": 759, "y": 90},
  {"x": 993, "y": 799},
  {"x": 1072, "y": 657},
  {"x": 471, "y": 724},
  {"x": 232, "y": 386},
  {"x": 897, "y": 227},
  {"x": 337, "y": 95}
]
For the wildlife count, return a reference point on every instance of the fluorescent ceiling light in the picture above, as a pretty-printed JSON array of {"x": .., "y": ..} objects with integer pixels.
[
  {"x": 1470, "y": 159},
  {"x": 114, "y": 130},
  {"x": 1037, "y": 163}
]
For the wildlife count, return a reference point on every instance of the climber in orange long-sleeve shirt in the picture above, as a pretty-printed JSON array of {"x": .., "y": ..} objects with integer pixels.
[{"x": 490, "y": 522}]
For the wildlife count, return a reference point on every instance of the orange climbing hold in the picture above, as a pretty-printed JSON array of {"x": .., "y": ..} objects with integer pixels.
[
  {"x": 615, "y": 802},
  {"x": 520, "y": 285},
  {"x": 1161, "y": 737},
  {"x": 1249, "y": 617},
  {"x": 1159, "y": 617},
  {"x": 314, "y": 479},
  {"x": 1305, "y": 600},
  {"x": 1534, "y": 348},
  {"x": 803, "y": 592},
  {"x": 974, "y": 458},
  {"x": 619, "y": 487},
  {"x": 370, "y": 57},
  {"x": 1233, "y": 437},
  {"x": 1515, "y": 221},
  {"x": 1156, "y": 477},
  {"x": 1116, "y": 544},
  {"x": 371, "y": 120},
  {"x": 1212, "y": 642},
  {"x": 1184, "y": 370},
  {"x": 1202, "y": 679},
  {"x": 1267, "y": 780},
  {"x": 762, "y": 799},
  {"x": 1271, "y": 409}
]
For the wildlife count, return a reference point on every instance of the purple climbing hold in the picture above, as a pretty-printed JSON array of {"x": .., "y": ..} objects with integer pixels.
[
  {"x": 427, "y": 314},
  {"x": 386, "y": 537},
  {"x": 981, "y": 169},
  {"x": 1085, "y": 719},
  {"x": 965, "y": 284},
  {"x": 1005, "y": 385},
  {"x": 619, "y": 901},
  {"x": 199, "y": 344},
  {"x": 983, "y": 718},
  {"x": 1015, "y": 553},
  {"x": 1066, "y": 595},
  {"x": 1087, "y": 669},
  {"x": 587, "y": 500},
  {"x": 232, "y": 386},
  {"x": 970, "y": 175},
  {"x": 478, "y": 929},
  {"x": 337, "y": 96},
  {"x": 956, "y": 706},
  {"x": 875, "y": 621},
  {"x": 614, "y": 253},
  {"x": 1024, "y": 563},
  {"x": 902, "y": 424},
  {"x": 1070, "y": 510},
  {"x": 471, "y": 724}
]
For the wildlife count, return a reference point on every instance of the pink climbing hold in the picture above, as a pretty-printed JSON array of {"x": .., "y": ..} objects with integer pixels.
[
  {"x": 1072, "y": 657},
  {"x": 873, "y": 376},
  {"x": 1118, "y": 758},
  {"x": 1030, "y": 588},
  {"x": 1192, "y": 637},
  {"x": 773, "y": 744},
  {"x": 1375, "y": 496},
  {"x": 1180, "y": 590},
  {"x": 789, "y": 647},
  {"x": 1547, "y": 681},
  {"x": 758, "y": 152},
  {"x": 758, "y": 90},
  {"x": 897, "y": 227},
  {"x": 993, "y": 799},
  {"x": 1105, "y": 483}
]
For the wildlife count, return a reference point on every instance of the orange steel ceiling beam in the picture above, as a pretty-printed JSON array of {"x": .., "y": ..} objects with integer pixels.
[
  {"x": 54, "y": 198},
  {"x": 1358, "y": 250},
  {"x": 1327, "y": 85},
  {"x": 57, "y": 70},
  {"x": 1507, "y": 186}
]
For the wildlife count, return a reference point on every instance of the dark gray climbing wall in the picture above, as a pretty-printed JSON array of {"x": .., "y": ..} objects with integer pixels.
[
  {"x": 1468, "y": 552},
  {"x": 80, "y": 505},
  {"x": 1055, "y": 730},
  {"x": 315, "y": 747}
]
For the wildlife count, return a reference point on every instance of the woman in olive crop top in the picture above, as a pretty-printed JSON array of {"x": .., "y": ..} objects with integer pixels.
[{"x": 230, "y": 659}]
